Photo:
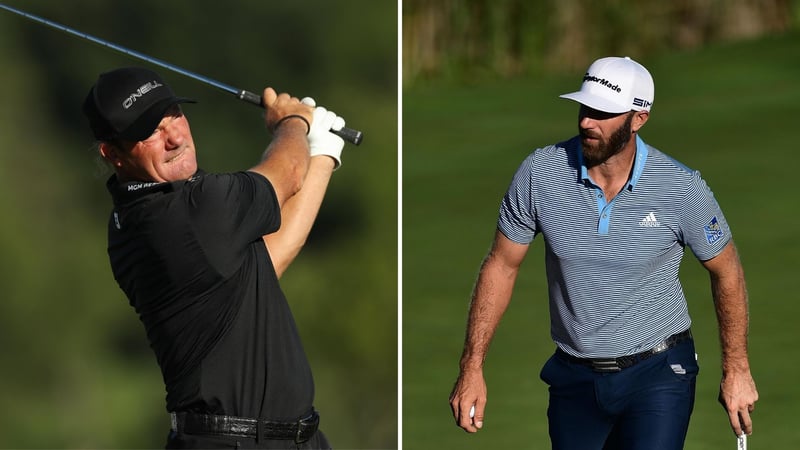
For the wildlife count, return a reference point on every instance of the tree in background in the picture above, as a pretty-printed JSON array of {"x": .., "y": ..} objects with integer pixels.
[{"x": 468, "y": 38}]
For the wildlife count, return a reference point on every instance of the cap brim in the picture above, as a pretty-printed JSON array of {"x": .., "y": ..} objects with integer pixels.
[
  {"x": 144, "y": 126},
  {"x": 595, "y": 102}
]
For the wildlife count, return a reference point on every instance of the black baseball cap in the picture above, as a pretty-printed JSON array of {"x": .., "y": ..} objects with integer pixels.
[{"x": 128, "y": 104}]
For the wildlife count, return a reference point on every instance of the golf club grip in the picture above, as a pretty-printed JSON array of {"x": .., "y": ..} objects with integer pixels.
[{"x": 348, "y": 134}]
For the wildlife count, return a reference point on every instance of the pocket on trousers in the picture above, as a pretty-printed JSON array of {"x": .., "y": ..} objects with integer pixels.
[
  {"x": 558, "y": 373},
  {"x": 546, "y": 374},
  {"x": 681, "y": 361}
]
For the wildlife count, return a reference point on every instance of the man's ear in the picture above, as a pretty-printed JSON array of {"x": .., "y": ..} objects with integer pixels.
[
  {"x": 110, "y": 153},
  {"x": 639, "y": 119}
]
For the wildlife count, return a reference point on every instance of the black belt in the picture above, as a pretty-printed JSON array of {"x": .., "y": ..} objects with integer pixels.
[
  {"x": 194, "y": 423},
  {"x": 623, "y": 362}
]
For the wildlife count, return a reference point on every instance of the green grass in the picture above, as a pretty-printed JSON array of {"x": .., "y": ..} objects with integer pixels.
[{"x": 729, "y": 111}]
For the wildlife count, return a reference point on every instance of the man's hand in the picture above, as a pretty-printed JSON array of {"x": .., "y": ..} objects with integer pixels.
[
  {"x": 320, "y": 140},
  {"x": 283, "y": 108},
  {"x": 738, "y": 395},
  {"x": 468, "y": 393}
]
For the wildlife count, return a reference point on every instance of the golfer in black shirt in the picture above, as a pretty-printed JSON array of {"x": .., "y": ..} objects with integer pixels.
[{"x": 199, "y": 256}]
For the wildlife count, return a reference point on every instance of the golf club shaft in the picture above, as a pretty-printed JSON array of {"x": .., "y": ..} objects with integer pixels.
[
  {"x": 348, "y": 134},
  {"x": 741, "y": 442}
]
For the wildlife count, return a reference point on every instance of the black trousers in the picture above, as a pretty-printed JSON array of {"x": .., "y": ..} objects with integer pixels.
[{"x": 181, "y": 440}]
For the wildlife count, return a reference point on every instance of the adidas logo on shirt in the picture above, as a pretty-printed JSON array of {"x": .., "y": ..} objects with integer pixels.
[{"x": 649, "y": 221}]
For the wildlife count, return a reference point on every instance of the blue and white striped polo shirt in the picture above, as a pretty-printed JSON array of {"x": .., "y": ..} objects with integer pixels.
[{"x": 612, "y": 267}]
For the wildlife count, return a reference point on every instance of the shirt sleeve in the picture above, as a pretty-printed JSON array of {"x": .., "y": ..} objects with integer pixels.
[
  {"x": 703, "y": 225},
  {"x": 231, "y": 211},
  {"x": 517, "y": 219}
]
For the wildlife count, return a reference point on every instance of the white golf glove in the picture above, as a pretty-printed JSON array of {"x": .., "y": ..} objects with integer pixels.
[{"x": 320, "y": 140}]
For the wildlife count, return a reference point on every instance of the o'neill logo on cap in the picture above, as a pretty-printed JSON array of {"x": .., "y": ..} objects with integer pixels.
[{"x": 143, "y": 89}]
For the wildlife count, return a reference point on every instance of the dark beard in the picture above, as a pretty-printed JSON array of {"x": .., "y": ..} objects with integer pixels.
[{"x": 605, "y": 150}]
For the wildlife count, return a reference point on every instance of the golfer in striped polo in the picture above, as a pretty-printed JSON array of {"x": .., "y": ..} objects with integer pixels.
[{"x": 615, "y": 215}]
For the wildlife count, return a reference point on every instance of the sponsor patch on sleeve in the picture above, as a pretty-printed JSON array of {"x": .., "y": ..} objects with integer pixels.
[{"x": 713, "y": 231}]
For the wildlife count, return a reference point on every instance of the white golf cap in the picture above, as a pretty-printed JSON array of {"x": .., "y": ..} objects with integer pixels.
[{"x": 615, "y": 85}]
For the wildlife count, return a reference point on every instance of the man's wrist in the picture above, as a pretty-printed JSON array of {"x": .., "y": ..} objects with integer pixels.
[
  {"x": 320, "y": 158},
  {"x": 293, "y": 120},
  {"x": 471, "y": 363}
]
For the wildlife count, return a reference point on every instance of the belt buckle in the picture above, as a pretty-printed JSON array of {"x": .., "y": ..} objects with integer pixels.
[
  {"x": 661, "y": 347},
  {"x": 304, "y": 424},
  {"x": 605, "y": 365}
]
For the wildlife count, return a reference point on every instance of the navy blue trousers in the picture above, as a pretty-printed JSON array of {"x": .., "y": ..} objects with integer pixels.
[{"x": 643, "y": 407}]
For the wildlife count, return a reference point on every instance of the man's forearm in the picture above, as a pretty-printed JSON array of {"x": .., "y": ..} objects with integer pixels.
[
  {"x": 730, "y": 300},
  {"x": 298, "y": 214},
  {"x": 490, "y": 298},
  {"x": 285, "y": 162}
]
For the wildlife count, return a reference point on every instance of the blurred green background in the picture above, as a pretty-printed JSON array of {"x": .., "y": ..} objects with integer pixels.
[
  {"x": 76, "y": 368},
  {"x": 481, "y": 82}
]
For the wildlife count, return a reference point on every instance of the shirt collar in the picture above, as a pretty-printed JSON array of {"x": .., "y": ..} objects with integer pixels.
[
  {"x": 125, "y": 192},
  {"x": 638, "y": 162}
]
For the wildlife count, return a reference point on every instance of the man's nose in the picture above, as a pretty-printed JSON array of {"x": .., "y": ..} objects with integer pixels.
[{"x": 173, "y": 135}]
